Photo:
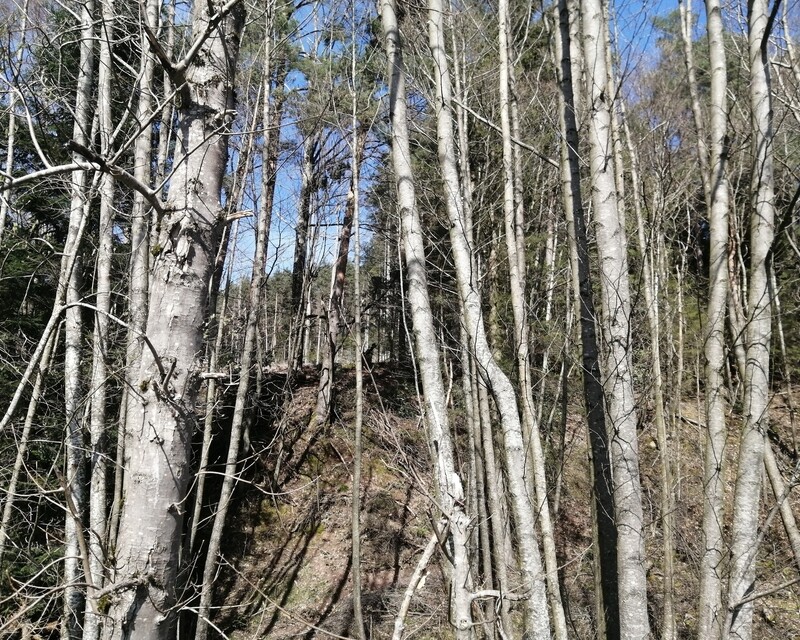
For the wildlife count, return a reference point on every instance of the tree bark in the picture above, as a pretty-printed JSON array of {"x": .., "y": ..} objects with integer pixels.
[
  {"x": 450, "y": 488},
  {"x": 711, "y": 563},
  {"x": 537, "y": 618},
  {"x": 615, "y": 292},
  {"x": 515, "y": 248},
  {"x": 75, "y": 473},
  {"x": 160, "y": 421},
  {"x": 758, "y": 333},
  {"x": 606, "y": 529},
  {"x": 98, "y": 384}
]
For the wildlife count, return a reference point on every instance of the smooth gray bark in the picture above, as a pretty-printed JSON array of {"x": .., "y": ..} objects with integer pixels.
[
  {"x": 758, "y": 333},
  {"x": 711, "y": 563},
  {"x": 515, "y": 249},
  {"x": 426, "y": 347},
  {"x": 75, "y": 472},
  {"x": 98, "y": 383},
  {"x": 537, "y": 617},
  {"x": 615, "y": 294},
  {"x": 603, "y": 504},
  {"x": 160, "y": 418}
]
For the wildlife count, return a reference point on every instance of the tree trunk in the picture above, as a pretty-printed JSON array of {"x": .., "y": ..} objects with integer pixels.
[
  {"x": 160, "y": 421},
  {"x": 450, "y": 489},
  {"x": 606, "y": 529},
  {"x": 335, "y": 308},
  {"x": 537, "y": 618},
  {"x": 308, "y": 187},
  {"x": 105, "y": 248},
  {"x": 758, "y": 334},
  {"x": 75, "y": 473},
  {"x": 615, "y": 292},
  {"x": 711, "y": 563},
  {"x": 651, "y": 298},
  {"x": 514, "y": 232}
]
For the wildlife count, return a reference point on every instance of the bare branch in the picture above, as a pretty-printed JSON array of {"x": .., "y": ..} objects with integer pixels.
[
  {"x": 181, "y": 67},
  {"x": 118, "y": 172}
]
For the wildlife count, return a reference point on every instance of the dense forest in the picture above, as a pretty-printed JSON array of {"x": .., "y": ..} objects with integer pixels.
[{"x": 399, "y": 319}]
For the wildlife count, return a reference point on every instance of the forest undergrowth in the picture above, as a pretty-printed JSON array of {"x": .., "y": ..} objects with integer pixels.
[{"x": 286, "y": 571}]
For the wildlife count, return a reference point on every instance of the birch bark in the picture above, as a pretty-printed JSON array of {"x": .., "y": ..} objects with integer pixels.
[
  {"x": 603, "y": 504},
  {"x": 451, "y": 493},
  {"x": 537, "y": 618},
  {"x": 711, "y": 569}
]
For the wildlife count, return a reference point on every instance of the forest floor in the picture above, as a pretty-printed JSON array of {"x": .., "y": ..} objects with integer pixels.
[{"x": 286, "y": 569}]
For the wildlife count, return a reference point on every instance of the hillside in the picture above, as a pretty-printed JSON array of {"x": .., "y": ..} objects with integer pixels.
[{"x": 286, "y": 569}]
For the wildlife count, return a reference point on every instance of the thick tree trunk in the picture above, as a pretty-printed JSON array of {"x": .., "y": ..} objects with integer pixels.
[
  {"x": 450, "y": 489},
  {"x": 758, "y": 333},
  {"x": 615, "y": 292},
  {"x": 160, "y": 420}
]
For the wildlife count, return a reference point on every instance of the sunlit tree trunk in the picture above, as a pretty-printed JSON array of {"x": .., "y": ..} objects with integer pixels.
[
  {"x": 98, "y": 383},
  {"x": 711, "y": 562},
  {"x": 537, "y": 618},
  {"x": 160, "y": 421},
  {"x": 650, "y": 282},
  {"x": 514, "y": 232},
  {"x": 603, "y": 509},
  {"x": 451, "y": 493},
  {"x": 758, "y": 333},
  {"x": 73, "y": 326},
  {"x": 615, "y": 293}
]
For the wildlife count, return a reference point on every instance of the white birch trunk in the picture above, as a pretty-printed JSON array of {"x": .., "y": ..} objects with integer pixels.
[
  {"x": 711, "y": 563},
  {"x": 73, "y": 595},
  {"x": 537, "y": 618},
  {"x": 426, "y": 348}
]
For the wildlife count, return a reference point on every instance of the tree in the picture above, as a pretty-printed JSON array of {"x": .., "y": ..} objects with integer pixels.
[
  {"x": 747, "y": 496},
  {"x": 615, "y": 296},
  {"x": 160, "y": 421}
]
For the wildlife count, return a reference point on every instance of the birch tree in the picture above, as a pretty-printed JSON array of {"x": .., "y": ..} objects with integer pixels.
[
  {"x": 537, "y": 617},
  {"x": 711, "y": 564},
  {"x": 426, "y": 347}
]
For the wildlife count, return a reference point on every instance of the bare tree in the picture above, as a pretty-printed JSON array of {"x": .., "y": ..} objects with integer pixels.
[
  {"x": 160, "y": 420},
  {"x": 615, "y": 295},
  {"x": 426, "y": 348},
  {"x": 758, "y": 333},
  {"x": 711, "y": 567}
]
